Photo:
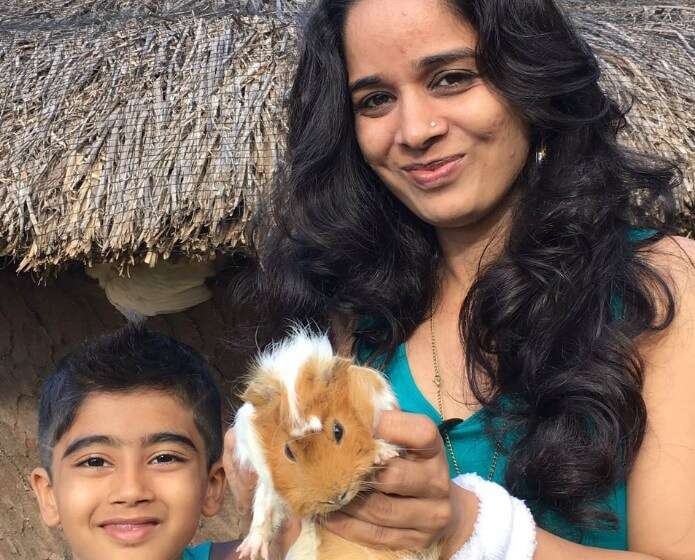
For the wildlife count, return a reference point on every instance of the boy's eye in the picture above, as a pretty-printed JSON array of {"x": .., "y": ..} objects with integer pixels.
[
  {"x": 93, "y": 462},
  {"x": 166, "y": 458}
]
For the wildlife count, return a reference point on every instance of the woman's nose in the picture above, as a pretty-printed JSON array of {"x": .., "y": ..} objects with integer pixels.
[
  {"x": 419, "y": 125},
  {"x": 130, "y": 486}
]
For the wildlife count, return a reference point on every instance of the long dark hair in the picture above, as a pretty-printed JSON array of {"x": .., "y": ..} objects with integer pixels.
[{"x": 551, "y": 323}]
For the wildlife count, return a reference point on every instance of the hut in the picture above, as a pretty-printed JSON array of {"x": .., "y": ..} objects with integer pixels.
[{"x": 136, "y": 137}]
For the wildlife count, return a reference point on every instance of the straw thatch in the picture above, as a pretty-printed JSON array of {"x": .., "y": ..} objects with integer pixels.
[
  {"x": 135, "y": 138},
  {"x": 647, "y": 53},
  {"x": 134, "y": 130}
]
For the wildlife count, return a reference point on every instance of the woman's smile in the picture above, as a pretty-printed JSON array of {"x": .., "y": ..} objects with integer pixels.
[{"x": 436, "y": 173}]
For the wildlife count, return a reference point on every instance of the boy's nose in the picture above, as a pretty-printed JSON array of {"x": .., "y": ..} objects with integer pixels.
[{"x": 130, "y": 486}]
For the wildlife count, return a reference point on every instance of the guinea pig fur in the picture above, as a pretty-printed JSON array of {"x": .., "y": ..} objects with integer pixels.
[{"x": 306, "y": 428}]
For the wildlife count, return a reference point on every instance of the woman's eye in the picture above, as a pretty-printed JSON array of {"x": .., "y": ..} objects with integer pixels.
[
  {"x": 453, "y": 79},
  {"x": 93, "y": 462},
  {"x": 166, "y": 458},
  {"x": 374, "y": 101}
]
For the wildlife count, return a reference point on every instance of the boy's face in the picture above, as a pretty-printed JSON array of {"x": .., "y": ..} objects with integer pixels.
[{"x": 130, "y": 478}]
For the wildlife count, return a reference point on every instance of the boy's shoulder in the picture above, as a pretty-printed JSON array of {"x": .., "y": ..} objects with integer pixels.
[
  {"x": 210, "y": 551},
  {"x": 198, "y": 552}
]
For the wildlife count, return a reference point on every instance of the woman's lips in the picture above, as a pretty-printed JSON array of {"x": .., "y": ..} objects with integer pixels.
[
  {"x": 130, "y": 532},
  {"x": 436, "y": 174}
]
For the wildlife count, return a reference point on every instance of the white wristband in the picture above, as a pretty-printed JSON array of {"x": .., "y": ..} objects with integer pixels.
[{"x": 504, "y": 529}]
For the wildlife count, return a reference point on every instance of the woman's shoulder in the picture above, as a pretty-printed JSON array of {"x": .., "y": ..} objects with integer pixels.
[
  {"x": 672, "y": 250},
  {"x": 670, "y": 351},
  {"x": 673, "y": 257}
]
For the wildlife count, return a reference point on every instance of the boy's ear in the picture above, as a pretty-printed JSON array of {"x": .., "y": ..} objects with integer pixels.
[
  {"x": 214, "y": 494},
  {"x": 43, "y": 490}
]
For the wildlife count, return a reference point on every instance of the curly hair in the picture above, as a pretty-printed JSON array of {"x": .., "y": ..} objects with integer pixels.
[{"x": 552, "y": 321}]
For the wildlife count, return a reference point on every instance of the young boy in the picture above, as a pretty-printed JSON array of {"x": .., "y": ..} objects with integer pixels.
[{"x": 130, "y": 437}]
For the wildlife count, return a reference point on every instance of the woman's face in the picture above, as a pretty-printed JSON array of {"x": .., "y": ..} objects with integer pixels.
[{"x": 439, "y": 137}]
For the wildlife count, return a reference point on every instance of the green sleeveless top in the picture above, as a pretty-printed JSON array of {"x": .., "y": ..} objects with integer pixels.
[
  {"x": 474, "y": 450},
  {"x": 199, "y": 552}
]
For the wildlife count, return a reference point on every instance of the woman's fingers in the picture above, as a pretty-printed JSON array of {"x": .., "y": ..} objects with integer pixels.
[
  {"x": 241, "y": 481},
  {"x": 285, "y": 539},
  {"x": 424, "y": 471},
  {"x": 242, "y": 484},
  {"x": 414, "y": 477},
  {"x": 420, "y": 514},
  {"x": 376, "y": 536},
  {"x": 415, "y": 433}
]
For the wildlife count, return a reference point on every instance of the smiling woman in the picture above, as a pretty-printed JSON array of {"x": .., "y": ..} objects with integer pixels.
[{"x": 456, "y": 209}]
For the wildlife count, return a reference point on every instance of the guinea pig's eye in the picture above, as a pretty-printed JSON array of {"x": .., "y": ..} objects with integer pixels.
[
  {"x": 288, "y": 453},
  {"x": 338, "y": 431}
]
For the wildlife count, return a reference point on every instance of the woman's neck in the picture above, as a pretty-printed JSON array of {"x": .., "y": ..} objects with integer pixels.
[{"x": 467, "y": 249}]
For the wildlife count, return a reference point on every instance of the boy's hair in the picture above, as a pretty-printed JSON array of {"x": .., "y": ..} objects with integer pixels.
[{"x": 130, "y": 359}]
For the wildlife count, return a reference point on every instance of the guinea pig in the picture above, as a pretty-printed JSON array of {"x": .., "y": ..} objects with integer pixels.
[{"x": 307, "y": 429}]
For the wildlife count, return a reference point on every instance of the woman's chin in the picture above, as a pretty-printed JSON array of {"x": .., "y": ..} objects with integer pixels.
[{"x": 447, "y": 220}]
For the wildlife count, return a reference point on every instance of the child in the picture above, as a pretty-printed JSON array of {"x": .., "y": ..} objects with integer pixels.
[{"x": 130, "y": 437}]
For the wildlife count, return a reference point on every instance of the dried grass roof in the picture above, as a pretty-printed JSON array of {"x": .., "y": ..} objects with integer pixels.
[{"x": 132, "y": 130}]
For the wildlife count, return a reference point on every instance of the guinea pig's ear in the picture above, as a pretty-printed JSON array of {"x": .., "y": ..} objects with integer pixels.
[
  {"x": 366, "y": 389},
  {"x": 339, "y": 368},
  {"x": 262, "y": 390}
]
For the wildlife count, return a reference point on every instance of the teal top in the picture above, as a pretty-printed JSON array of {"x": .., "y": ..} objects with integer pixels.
[
  {"x": 474, "y": 450},
  {"x": 199, "y": 552}
]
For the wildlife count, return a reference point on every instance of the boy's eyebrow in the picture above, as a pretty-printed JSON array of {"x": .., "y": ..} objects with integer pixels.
[
  {"x": 86, "y": 441},
  {"x": 438, "y": 59},
  {"x": 159, "y": 437},
  {"x": 169, "y": 437}
]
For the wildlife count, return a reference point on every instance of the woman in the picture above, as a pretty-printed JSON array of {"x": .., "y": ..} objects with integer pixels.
[{"x": 457, "y": 209}]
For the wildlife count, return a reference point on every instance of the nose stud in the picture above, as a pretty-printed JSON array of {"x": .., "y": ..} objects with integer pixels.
[{"x": 433, "y": 124}]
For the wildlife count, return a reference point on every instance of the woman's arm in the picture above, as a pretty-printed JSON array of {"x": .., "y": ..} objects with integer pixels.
[{"x": 661, "y": 487}]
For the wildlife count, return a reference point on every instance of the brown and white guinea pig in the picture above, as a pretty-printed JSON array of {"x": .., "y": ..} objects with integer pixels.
[{"x": 306, "y": 428}]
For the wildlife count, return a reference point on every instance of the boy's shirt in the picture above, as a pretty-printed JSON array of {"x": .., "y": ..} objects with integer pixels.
[{"x": 199, "y": 552}]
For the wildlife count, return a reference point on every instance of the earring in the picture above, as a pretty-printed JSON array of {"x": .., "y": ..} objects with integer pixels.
[
  {"x": 433, "y": 124},
  {"x": 540, "y": 154}
]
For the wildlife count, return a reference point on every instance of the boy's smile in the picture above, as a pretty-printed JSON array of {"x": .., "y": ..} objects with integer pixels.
[{"x": 129, "y": 478}]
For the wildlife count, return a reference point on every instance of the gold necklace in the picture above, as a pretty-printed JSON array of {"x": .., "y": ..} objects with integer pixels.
[{"x": 445, "y": 424}]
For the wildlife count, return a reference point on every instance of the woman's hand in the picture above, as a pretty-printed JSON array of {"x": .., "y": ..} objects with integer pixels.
[
  {"x": 242, "y": 484},
  {"x": 415, "y": 503}
]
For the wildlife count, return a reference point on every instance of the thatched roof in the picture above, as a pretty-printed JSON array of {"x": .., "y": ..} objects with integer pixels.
[
  {"x": 128, "y": 138},
  {"x": 132, "y": 130}
]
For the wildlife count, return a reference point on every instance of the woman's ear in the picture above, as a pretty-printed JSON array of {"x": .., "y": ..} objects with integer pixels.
[
  {"x": 214, "y": 493},
  {"x": 43, "y": 490}
]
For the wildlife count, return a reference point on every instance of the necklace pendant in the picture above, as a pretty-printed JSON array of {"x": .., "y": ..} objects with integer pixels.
[{"x": 446, "y": 425}]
